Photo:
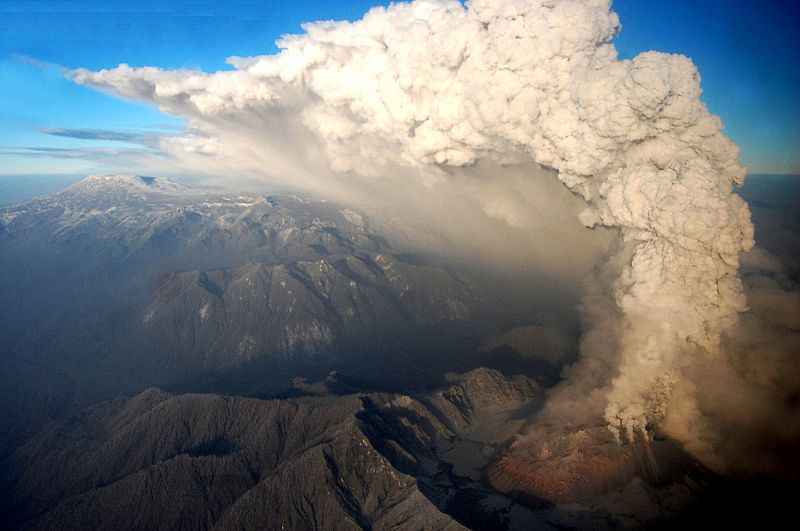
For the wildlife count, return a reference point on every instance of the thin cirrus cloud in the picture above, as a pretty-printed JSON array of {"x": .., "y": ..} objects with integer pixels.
[
  {"x": 139, "y": 151},
  {"x": 150, "y": 140},
  {"x": 93, "y": 153}
]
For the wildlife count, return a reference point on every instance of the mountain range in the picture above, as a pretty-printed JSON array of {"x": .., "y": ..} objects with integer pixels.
[
  {"x": 179, "y": 358},
  {"x": 120, "y": 282}
]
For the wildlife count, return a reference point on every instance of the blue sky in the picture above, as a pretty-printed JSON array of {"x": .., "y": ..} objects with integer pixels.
[{"x": 748, "y": 53}]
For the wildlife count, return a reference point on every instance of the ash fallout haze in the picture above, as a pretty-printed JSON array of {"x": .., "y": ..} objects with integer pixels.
[{"x": 486, "y": 264}]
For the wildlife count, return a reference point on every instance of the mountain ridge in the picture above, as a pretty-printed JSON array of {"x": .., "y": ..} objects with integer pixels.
[{"x": 364, "y": 460}]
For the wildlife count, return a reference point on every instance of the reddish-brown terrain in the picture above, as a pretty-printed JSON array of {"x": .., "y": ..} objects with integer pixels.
[{"x": 573, "y": 467}]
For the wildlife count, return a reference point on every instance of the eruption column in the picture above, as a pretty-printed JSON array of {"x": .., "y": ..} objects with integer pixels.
[{"x": 435, "y": 86}]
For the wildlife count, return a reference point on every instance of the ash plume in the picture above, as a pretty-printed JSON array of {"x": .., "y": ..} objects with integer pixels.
[{"x": 438, "y": 106}]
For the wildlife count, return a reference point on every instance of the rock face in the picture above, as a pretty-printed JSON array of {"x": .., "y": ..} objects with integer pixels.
[
  {"x": 221, "y": 318},
  {"x": 482, "y": 391}
]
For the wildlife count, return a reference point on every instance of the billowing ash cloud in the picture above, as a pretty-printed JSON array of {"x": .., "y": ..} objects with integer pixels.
[{"x": 427, "y": 93}]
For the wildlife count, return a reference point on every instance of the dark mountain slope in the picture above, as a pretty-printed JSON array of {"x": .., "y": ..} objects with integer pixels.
[
  {"x": 159, "y": 461},
  {"x": 122, "y": 282}
]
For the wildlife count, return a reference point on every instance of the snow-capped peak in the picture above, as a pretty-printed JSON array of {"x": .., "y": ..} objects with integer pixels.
[{"x": 126, "y": 180}]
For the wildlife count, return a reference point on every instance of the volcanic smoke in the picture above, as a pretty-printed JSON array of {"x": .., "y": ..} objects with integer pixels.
[{"x": 416, "y": 94}]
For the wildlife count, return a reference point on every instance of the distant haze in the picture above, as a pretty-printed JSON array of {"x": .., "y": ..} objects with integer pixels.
[{"x": 17, "y": 188}]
